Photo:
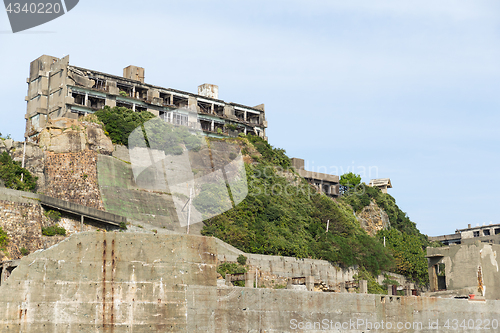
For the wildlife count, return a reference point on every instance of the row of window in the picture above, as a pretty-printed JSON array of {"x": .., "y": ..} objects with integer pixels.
[{"x": 486, "y": 232}]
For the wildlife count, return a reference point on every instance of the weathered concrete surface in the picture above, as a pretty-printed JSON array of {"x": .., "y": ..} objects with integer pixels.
[
  {"x": 469, "y": 269},
  {"x": 124, "y": 282},
  {"x": 97, "y": 282}
]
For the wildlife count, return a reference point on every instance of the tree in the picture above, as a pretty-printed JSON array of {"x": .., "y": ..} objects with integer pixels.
[
  {"x": 11, "y": 174},
  {"x": 408, "y": 253},
  {"x": 349, "y": 181}
]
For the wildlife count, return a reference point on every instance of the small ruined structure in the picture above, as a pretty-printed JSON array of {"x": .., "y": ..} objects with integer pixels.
[
  {"x": 57, "y": 89},
  {"x": 382, "y": 183},
  {"x": 463, "y": 270},
  {"x": 324, "y": 183}
]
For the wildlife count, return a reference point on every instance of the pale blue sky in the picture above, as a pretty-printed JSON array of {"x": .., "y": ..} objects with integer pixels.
[{"x": 409, "y": 88}]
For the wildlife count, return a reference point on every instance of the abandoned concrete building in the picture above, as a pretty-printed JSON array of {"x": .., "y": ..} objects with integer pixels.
[
  {"x": 485, "y": 234},
  {"x": 57, "y": 89},
  {"x": 382, "y": 183},
  {"x": 462, "y": 270},
  {"x": 324, "y": 183}
]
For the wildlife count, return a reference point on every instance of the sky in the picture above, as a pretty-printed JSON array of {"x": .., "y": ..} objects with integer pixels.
[{"x": 406, "y": 90}]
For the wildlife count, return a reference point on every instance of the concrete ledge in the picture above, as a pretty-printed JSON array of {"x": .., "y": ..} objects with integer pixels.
[{"x": 85, "y": 211}]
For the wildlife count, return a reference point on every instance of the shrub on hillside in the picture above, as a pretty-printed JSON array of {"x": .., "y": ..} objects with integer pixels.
[
  {"x": 119, "y": 122},
  {"x": 53, "y": 230},
  {"x": 11, "y": 173},
  {"x": 4, "y": 240}
]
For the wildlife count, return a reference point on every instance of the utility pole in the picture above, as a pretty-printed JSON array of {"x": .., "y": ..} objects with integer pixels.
[{"x": 189, "y": 208}]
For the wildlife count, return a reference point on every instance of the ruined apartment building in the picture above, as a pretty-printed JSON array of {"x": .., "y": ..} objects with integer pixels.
[
  {"x": 58, "y": 89},
  {"x": 324, "y": 183}
]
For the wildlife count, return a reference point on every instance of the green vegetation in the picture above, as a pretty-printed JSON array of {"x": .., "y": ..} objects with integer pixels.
[
  {"x": 11, "y": 173},
  {"x": 274, "y": 156},
  {"x": 24, "y": 251},
  {"x": 279, "y": 218},
  {"x": 54, "y": 215},
  {"x": 409, "y": 253},
  {"x": 373, "y": 286},
  {"x": 349, "y": 181},
  {"x": 123, "y": 225},
  {"x": 231, "y": 127},
  {"x": 119, "y": 122},
  {"x": 123, "y": 93},
  {"x": 242, "y": 260},
  {"x": 404, "y": 240},
  {"x": 231, "y": 268},
  {"x": 53, "y": 230},
  {"x": 4, "y": 240},
  {"x": 158, "y": 134}
]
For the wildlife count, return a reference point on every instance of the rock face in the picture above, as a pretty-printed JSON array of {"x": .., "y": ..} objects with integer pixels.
[
  {"x": 64, "y": 135},
  {"x": 65, "y": 159},
  {"x": 372, "y": 219}
]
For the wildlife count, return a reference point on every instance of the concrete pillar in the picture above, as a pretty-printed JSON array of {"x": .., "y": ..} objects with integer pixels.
[
  {"x": 111, "y": 101},
  {"x": 433, "y": 285},
  {"x": 212, "y": 108},
  {"x": 363, "y": 287},
  {"x": 389, "y": 289},
  {"x": 407, "y": 290},
  {"x": 133, "y": 107},
  {"x": 212, "y": 126},
  {"x": 3, "y": 275},
  {"x": 86, "y": 103},
  {"x": 228, "y": 280},
  {"x": 289, "y": 283},
  {"x": 229, "y": 111},
  {"x": 310, "y": 283},
  {"x": 249, "y": 279},
  {"x": 245, "y": 116},
  {"x": 192, "y": 103},
  {"x": 342, "y": 287}
]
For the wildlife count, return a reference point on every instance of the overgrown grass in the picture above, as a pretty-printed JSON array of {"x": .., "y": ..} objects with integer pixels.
[
  {"x": 53, "y": 230},
  {"x": 278, "y": 218},
  {"x": 232, "y": 268},
  {"x": 4, "y": 240},
  {"x": 11, "y": 173}
]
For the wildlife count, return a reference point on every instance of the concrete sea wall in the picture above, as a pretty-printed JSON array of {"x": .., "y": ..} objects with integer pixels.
[{"x": 127, "y": 282}]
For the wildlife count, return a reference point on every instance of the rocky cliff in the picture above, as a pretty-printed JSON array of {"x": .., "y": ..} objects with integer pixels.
[{"x": 372, "y": 219}]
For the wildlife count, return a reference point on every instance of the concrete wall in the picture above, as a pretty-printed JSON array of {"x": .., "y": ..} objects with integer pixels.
[
  {"x": 469, "y": 269},
  {"x": 124, "y": 282}
]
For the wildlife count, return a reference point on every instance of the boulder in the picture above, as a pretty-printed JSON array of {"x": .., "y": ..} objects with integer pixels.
[{"x": 8, "y": 143}]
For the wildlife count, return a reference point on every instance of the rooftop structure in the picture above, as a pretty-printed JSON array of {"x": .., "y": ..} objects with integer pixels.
[
  {"x": 58, "y": 89},
  {"x": 485, "y": 234},
  {"x": 382, "y": 183},
  {"x": 324, "y": 183}
]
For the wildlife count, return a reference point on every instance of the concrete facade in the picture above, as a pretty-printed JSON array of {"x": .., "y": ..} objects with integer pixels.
[
  {"x": 462, "y": 270},
  {"x": 382, "y": 183},
  {"x": 324, "y": 183},
  {"x": 485, "y": 234},
  {"x": 58, "y": 89},
  {"x": 125, "y": 282}
]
